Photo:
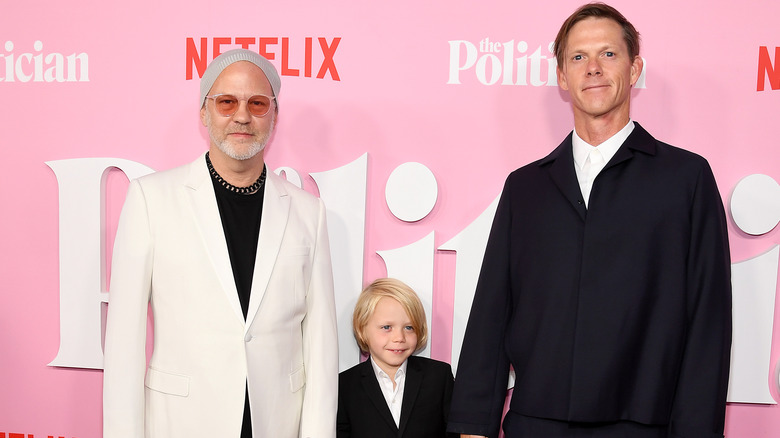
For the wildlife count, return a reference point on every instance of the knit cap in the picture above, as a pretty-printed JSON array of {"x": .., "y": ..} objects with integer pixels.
[{"x": 221, "y": 62}]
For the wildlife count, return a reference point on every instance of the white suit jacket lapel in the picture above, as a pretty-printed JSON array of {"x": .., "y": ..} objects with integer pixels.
[
  {"x": 206, "y": 214},
  {"x": 276, "y": 210}
]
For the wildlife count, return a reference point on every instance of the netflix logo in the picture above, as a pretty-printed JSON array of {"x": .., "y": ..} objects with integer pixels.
[
  {"x": 307, "y": 57},
  {"x": 767, "y": 69}
]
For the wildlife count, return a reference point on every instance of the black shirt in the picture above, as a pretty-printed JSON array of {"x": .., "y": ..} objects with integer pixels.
[{"x": 241, "y": 214}]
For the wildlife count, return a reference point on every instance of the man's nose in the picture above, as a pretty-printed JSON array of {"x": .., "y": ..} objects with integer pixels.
[
  {"x": 594, "y": 67},
  {"x": 242, "y": 114}
]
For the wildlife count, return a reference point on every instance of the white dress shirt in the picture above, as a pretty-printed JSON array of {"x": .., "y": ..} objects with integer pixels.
[
  {"x": 394, "y": 394},
  {"x": 589, "y": 161}
]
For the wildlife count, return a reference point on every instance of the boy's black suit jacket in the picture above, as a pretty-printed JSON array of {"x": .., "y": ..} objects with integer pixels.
[{"x": 363, "y": 412}]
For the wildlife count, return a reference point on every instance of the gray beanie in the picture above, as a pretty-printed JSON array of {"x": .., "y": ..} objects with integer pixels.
[{"x": 222, "y": 61}]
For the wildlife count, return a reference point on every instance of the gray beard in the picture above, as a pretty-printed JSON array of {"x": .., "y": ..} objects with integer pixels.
[{"x": 255, "y": 148}]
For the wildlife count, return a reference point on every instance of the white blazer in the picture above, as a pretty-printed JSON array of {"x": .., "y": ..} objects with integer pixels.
[{"x": 170, "y": 250}]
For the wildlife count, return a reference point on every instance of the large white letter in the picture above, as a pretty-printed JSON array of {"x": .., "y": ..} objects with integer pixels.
[
  {"x": 754, "y": 283},
  {"x": 413, "y": 264},
  {"x": 82, "y": 260},
  {"x": 470, "y": 247},
  {"x": 755, "y": 209},
  {"x": 455, "y": 65},
  {"x": 344, "y": 192}
]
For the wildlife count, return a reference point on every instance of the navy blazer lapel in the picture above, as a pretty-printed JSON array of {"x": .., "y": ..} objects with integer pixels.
[
  {"x": 371, "y": 386},
  {"x": 639, "y": 140},
  {"x": 561, "y": 168},
  {"x": 414, "y": 378},
  {"x": 561, "y": 164}
]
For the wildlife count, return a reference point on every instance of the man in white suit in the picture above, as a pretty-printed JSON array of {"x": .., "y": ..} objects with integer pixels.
[{"x": 236, "y": 264}]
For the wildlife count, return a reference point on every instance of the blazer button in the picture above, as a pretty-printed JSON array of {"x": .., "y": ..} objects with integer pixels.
[{"x": 248, "y": 337}]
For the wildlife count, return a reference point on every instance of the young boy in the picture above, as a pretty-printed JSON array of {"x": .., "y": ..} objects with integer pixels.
[{"x": 393, "y": 394}]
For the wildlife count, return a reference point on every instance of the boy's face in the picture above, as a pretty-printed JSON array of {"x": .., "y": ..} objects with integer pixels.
[{"x": 390, "y": 335}]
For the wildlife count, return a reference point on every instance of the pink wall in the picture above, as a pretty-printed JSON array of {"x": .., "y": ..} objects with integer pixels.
[{"x": 392, "y": 101}]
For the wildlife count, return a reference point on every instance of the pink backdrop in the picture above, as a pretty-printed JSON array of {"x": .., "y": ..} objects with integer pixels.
[{"x": 392, "y": 100}]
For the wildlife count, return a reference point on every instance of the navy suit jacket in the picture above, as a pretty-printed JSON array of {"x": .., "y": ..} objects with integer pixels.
[
  {"x": 363, "y": 411},
  {"x": 616, "y": 312}
]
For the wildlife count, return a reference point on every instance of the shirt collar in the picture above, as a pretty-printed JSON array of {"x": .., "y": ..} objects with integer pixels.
[
  {"x": 381, "y": 373},
  {"x": 581, "y": 149}
]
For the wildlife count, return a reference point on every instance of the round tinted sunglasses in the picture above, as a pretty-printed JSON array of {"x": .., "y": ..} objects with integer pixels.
[{"x": 227, "y": 104}]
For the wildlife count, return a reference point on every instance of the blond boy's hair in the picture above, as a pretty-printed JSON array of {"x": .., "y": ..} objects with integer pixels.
[{"x": 397, "y": 290}]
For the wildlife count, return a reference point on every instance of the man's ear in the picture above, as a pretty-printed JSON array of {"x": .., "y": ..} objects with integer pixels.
[
  {"x": 561, "y": 79},
  {"x": 636, "y": 69}
]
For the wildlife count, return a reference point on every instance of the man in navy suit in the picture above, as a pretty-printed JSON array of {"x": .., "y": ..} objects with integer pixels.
[{"x": 606, "y": 278}]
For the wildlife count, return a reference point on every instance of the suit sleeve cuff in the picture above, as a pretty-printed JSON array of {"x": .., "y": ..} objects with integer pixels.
[{"x": 468, "y": 429}]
